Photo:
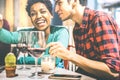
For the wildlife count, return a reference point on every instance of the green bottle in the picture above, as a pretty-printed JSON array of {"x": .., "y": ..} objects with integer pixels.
[{"x": 10, "y": 64}]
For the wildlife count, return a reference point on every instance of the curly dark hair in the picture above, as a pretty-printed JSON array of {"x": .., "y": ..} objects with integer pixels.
[{"x": 47, "y": 3}]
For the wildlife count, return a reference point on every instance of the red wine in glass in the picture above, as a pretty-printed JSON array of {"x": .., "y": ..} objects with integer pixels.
[
  {"x": 36, "y": 52},
  {"x": 23, "y": 49}
]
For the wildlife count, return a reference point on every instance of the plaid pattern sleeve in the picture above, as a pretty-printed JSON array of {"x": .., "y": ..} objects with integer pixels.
[
  {"x": 97, "y": 38},
  {"x": 107, "y": 39}
]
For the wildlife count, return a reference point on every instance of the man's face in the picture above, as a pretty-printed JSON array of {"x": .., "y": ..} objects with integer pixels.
[
  {"x": 40, "y": 16},
  {"x": 63, "y": 8}
]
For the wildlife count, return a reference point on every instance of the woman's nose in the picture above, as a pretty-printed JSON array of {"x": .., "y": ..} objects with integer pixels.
[{"x": 39, "y": 15}]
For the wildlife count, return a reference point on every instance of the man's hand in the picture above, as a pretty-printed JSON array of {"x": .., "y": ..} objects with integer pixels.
[
  {"x": 57, "y": 49},
  {"x": 1, "y": 21}
]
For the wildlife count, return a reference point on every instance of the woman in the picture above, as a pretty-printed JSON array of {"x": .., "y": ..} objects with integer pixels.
[{"x": 40, "y": 13}]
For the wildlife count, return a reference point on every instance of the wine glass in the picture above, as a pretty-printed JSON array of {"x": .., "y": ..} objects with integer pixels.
[
  {"x": 22, "y": 47},
  {"x": 36, "y": 47}
]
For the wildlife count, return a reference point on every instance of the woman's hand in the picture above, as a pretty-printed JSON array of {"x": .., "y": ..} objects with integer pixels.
[
  {"x": 57, "y": 49},
  {"x": 1, "y": 21}
]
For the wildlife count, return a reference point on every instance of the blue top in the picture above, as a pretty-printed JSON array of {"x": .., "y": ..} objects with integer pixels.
[{"x": 57, "y": 34}]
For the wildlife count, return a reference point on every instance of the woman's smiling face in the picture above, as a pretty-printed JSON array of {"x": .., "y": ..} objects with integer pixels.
[{"x": 40, "y": 16}]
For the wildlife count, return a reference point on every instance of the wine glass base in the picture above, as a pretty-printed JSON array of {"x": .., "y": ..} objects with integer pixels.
[
  {"x": 34, "y": 76},
  {"x": 23, "y": 68}
]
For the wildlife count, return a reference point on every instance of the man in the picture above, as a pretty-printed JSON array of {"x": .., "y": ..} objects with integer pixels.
[{"x": 96, "y": 37}]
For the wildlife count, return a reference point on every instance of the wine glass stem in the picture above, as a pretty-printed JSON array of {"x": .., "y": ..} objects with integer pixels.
[
  {"x": 36, "y": 63},
  {"x": 24, "y": 61}
]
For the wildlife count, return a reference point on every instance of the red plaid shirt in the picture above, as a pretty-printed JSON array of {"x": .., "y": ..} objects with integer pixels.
[{"x": 97, "y": 38}]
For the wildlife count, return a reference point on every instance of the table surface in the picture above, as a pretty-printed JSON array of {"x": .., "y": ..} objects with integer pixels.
[{"x": 23, "y": 74}]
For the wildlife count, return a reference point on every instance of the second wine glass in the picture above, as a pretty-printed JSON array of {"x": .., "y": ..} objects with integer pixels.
[
  {"x": 36, "y": 47},
  {"x": 22, "y": 47}
]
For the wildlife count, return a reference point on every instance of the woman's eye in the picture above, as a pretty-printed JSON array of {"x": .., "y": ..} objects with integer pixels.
[
  {"x": 43, "y": 12},
  {"x": 32, "y": 14}
]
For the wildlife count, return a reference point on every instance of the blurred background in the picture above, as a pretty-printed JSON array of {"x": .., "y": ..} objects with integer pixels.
[{"x": 14, "y": 11}]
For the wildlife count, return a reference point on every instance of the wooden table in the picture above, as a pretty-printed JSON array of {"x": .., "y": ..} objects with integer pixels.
[{"x": 23, "y": 75}]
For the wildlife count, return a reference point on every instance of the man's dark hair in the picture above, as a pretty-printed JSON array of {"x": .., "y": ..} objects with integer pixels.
[
  {"x": 83, "y": 2},
  {"x": 47, "y": 3}
]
